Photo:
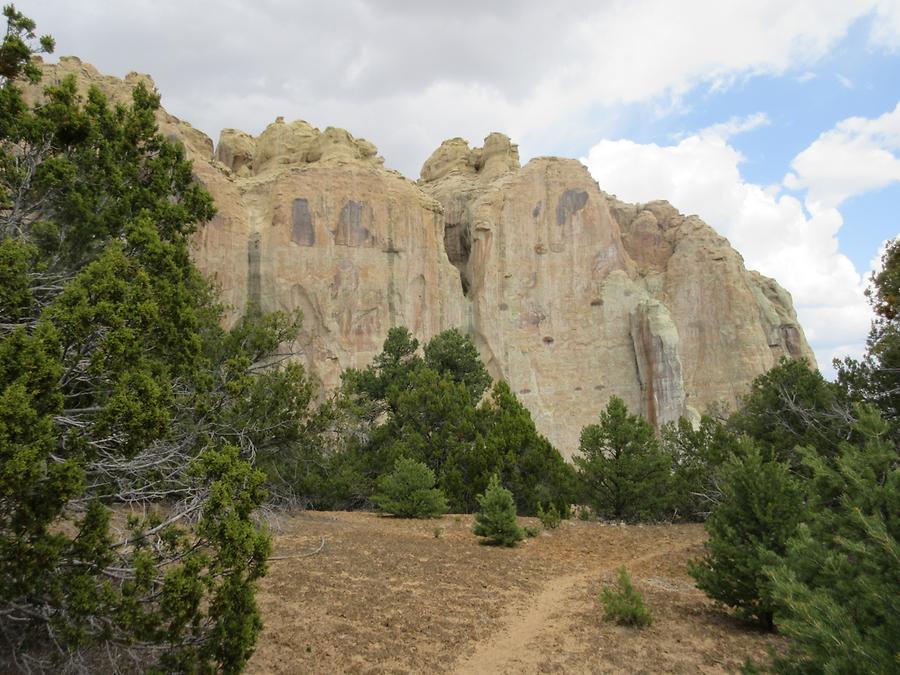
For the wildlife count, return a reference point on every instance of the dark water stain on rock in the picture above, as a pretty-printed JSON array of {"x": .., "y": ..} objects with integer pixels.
[
  {"x": 352, "y": 227},
  {"x": 302, "y": 230},
  {"x": 570, "y": 201}
]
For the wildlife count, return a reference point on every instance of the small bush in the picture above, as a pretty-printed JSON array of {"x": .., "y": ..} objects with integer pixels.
[
  {"x": 550, "y": 518},
  {"x": 531, "y": 531},
  {"x": 497, "y": 518},
  {"x": 409, "y": 491},
  {"x": 624, "y": 605}
]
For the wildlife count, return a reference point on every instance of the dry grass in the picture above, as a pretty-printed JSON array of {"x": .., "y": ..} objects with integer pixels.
[{"x": 386, "y": 595}]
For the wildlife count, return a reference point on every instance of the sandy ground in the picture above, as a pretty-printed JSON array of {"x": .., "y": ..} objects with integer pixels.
[{"x": 399, "y": 596}]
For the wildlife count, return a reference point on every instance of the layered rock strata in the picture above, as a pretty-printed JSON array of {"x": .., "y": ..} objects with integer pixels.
[{"x": 570, "y": 295}]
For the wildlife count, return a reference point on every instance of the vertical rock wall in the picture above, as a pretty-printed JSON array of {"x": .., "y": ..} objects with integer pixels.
[{"x": 577, "y": 296}]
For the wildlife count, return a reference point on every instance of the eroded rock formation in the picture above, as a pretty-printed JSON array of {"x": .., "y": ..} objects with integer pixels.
[{"x": 570, "y": 295}]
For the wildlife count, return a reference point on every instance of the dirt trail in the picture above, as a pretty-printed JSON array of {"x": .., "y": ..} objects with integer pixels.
[
  {"x": 397, "y": 596},
  {"x": 548, "y": 615}
]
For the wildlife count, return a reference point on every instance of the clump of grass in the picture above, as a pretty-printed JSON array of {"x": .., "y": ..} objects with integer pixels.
[
  {"x": 438, "y": 531},
  {"x": 531, "y": 531},
  {"x": 624, "y": 605}
]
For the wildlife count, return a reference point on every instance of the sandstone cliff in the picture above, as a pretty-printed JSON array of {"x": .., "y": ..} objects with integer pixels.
[
  {"x": 575, "y": 296},
  {"x": 569, "y": 294}
]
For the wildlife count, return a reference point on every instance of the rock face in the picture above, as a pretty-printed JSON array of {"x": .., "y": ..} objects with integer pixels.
[
  {"x": 575, "y": 296},
  {"x": 312, "y": 221},
  {"x": 570, "y": 295}
]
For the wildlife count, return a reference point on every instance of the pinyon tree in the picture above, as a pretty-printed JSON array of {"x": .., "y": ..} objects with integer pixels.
[{"x": 623, "y": 472}]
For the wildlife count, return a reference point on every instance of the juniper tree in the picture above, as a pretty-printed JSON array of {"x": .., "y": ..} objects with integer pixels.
[
  {"x": 697, "y": 455},
  {"x": 118, "y": 386}
]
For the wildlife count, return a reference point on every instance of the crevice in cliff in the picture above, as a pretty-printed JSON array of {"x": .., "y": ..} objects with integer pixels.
[
  {"x": 254, "y": 274},
  {"x": 458, "y": 245}
]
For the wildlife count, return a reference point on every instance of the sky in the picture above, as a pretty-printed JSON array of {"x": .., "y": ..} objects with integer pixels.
[{"x": 777, "y": 123}]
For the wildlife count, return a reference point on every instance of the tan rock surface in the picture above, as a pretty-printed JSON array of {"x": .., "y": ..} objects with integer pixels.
[
  {"x": 311, "y": 220},
  {"x": 569, "y": 294},
  {"x": 576, "y": 296}
]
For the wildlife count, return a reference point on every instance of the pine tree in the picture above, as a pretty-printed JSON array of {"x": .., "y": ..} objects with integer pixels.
[
  {"x": 876, "y": 377},
  {"x": 622, "y": 471},
  {"x": 836, "y": 586},
  {"x": 624, "y": 604},
  {"x": 409, "y": 492},
  {"x": 496, "y": 518},
  {"x": 760, "y": 507}
]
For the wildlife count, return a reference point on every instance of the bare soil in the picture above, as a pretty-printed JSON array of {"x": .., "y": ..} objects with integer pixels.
[{"x": 400, "y": 596}]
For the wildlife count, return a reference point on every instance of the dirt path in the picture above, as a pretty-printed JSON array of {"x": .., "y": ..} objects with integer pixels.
[
  {"x": 397, "y": 596},
  {"x": 548, "y": 615}
]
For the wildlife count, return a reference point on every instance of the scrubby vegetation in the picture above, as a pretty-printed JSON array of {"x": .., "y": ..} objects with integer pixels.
[
  {"x": 759, "y": 510},
  {"x": 825, "y": 571},
  {"x": 625, "y": 605},
  {"x": 550, "y": 518},
  {"x": 622, "y": 470},
  {"x": 437, "y": 410}
]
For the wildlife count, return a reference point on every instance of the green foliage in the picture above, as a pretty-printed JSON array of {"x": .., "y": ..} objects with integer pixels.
[
  {"x": 531, "y": 531},
  {"x": 428, "y": 410},
  {"x": 837, "y": 584},
  {"x": 624, "y": 604},
  {"x": 452, "y": 353},
  {"x": 790, "y": 406},
  {"x": 550, "y": 518},
  {"x": 623, "y": 472},
  {"x": 697, "y": 457},
  {"x": 876, "y": 377},
  {"x": 528, "y": 464},
  {"x": 117, "y": 384},
  {"x": 392, "y": 367},
  {"x": 409, "y": 491},
  {"x": 496, "y": 518},
  {"x": 761, "y": 505},
  {"x": 17, "y": 47}
]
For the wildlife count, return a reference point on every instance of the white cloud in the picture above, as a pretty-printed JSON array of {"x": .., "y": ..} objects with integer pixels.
[
  {"x": 736, "y": 125},
  {"x": 886, "y": 26},
  {"x": 845, "y": 81},
  {"x": 774, "y": 233},
  {"x": 856, "y": 156},
  {"x": 527, "y": 67}
]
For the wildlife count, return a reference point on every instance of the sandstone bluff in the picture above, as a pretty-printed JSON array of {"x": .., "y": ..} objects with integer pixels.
[{"x": 570, "y": 294}]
